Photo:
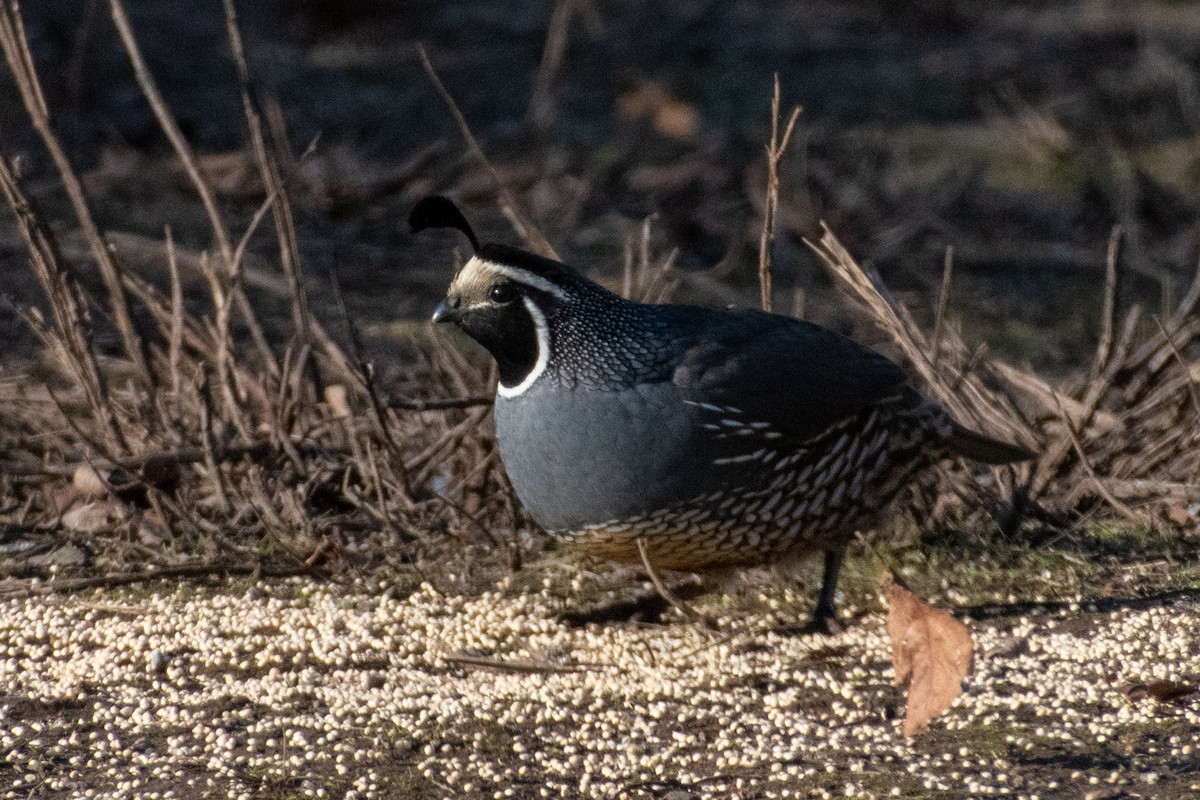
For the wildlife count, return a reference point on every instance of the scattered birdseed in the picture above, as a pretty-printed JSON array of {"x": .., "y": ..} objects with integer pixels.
[{"x": 307, "y": 690}]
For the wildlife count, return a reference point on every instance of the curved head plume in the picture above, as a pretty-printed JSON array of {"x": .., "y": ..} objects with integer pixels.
[{"x": 436, "y": 211}]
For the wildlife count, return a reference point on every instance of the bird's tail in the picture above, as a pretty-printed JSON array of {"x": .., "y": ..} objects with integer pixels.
[{"x": 976, "y": 446}]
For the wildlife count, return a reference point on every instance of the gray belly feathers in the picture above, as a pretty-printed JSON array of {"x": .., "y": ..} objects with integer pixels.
[{"x": 579, "y": 458}]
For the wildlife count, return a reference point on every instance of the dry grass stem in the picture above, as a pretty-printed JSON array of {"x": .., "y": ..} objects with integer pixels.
[
  {"x": 943, "y": 299},
  {"x": 70, "y": 340},
  {"x": 175, "y": 341},
  {"x": 228, "y": 465},
  {"x": 775, "y": 150},
  {"x": 183, "y": 151},
  {"x": 1132, "y": 429},
  {"x": 20, "y": 62},
  {"x": 665, "y": 593},
  {"x": 525, "y": 229},
  {"x": 1134, "y": 516},
  {"x": 542, "y": 108},
  {"x": 1109, "y": 312}
]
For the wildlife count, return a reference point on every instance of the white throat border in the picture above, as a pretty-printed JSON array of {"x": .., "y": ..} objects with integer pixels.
[{"x": 543, "y": 356}]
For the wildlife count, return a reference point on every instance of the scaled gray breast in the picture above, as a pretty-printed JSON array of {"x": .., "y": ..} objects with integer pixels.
[{"x": 582, "y": 457}]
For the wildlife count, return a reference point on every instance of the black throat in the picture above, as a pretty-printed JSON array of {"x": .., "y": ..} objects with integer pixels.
[{"x": 510, "y": 334}]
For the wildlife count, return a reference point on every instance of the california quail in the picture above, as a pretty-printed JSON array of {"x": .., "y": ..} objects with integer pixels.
[{"x": 721, "y": 438}]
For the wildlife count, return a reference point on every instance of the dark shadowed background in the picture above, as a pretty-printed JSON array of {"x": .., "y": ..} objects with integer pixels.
[{"x": 1018, "y": 133}]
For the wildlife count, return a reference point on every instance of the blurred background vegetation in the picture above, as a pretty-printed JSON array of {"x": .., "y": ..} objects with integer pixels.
[{"x": 1018, "y": 133}]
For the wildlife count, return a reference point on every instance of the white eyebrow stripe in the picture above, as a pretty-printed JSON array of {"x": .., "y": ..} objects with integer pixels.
[{"x": 516, "y": 274}]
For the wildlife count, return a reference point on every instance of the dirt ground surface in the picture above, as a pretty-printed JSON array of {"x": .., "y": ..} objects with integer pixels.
[
  {"x": 1086, "y": 683},
  {"x": 295, "y": 690}
]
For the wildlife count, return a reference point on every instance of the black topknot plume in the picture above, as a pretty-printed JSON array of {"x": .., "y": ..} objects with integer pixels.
[{"x": 436, "y": 211}]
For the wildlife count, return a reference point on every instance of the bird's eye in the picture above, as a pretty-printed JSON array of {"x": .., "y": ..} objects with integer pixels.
[{"x": 502, "y": 293}]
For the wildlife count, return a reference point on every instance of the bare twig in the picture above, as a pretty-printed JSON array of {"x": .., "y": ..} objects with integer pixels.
[
  {"x": 469, "y": 517},
  {"x": 965, "y": 394},
  {"x": 184, "y": 455},
  {"x": 1144, "y": 488},
  {"x": 541, "y": 101},
  {"x": 20, "y": 62},
  {"x": 155, "y": 573},
  {"x": 183, "y": 151},
  {"x": 1130, "y": 513},
  {"x": 210, "y": 448},
  {"x": 441, "y": 404},
  {"x": 1109, "y": 312},
  {"x": 775, "y": 150},
  {"x": 520, "y": 666},
  {"x": 508, "y": 204},
  {"x": 224, "y": 356},
  {"x": 71, "y": 340},
  {"x": 175, "y": 340},
  {"x": 266, "y": 153},
  {"x": 939, "y": 314},
  {"x": 420, "y": 465},
  {"x": 366, "y": 378},
  {"x": 1190, "y": 381},
  {"x": 665, "y": 593}
]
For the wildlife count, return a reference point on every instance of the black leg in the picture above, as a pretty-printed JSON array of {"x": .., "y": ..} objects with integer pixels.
[{"x": 824, "y": 619}]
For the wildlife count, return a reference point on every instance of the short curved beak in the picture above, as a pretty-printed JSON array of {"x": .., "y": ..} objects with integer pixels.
[{"x": 447, "y": 311}]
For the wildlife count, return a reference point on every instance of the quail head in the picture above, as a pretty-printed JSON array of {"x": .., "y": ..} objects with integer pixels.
[{"x": 719, "y": 438}]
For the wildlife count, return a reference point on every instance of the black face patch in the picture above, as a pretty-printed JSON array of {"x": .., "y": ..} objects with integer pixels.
[{"x": 509, "y": 334}]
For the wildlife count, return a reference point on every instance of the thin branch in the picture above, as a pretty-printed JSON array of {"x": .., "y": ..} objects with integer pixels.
[
  {"x": 156, "y": 573},
  {"x": 519, "y": 666},
  {"x": 70, "y": 339},
  {"x": 665, "y": 593},
  {"x": 183, "y": 151},
  {"x": 1135, "y": 516},
  {"x": 20, "y": 62},
  {"x": 225, "y": 288},
  {"x": 541, "y": 112},
  {"x": 441, "y": 404},
  {"x": 267, "y": 148},
  {"x": 508, "y": 204},
  {"x": 366, "y": 378},
  {"x": 1187, "y": 373},
  {"x": 210, "y": 449},
  {"x": 1109, "y": 311},
  {"x": 422, "y": 464},
  {"x": 175, "y": 340},
  {"x": 939, "y": 314},
  {"x": 775, "y": 152}
]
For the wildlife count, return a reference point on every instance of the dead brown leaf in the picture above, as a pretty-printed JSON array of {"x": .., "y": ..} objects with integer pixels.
[
  {"x": 1178, "y": 514},
  {"x": 931, "y": 653},
  {"x": 88, "y": 482},
  {"x": 95, "y": 517},
  {"x": 668, "y": 115},
  {"x": 338, "y": 400}
]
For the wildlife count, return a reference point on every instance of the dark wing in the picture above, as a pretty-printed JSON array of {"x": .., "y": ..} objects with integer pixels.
[{"x": 798, "y": 377}]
